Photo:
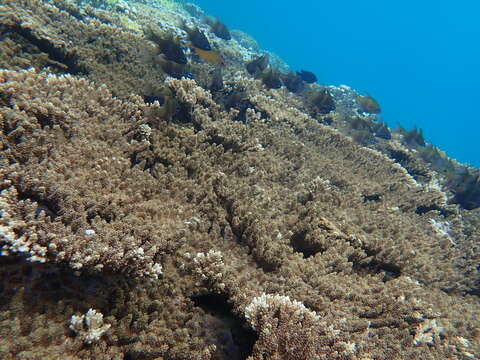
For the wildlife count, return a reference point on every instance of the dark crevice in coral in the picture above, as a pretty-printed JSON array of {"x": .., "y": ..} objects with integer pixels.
[
  {"x": 265, "y": 265},
  {"x": 373, "y": 197},
  {"x": 238, "y": 99},
  {"x": 150, "y": 99},
  {"x": 399, "y": 156},
  {"x": 46, "y": 284},
  {"x": 136, "y": 159},
  {"x": 54, "y": 53},
  {"x": 409, "y": 163},
  {"x": 423, "y": 209},
  {"x": 236, "y": 230},
  {"x": 141, "y": 354},
  {"x": 389, "y": 271},
  {"x": 234, "y": 340},
  {"x": 475, "y": 290},
  {"x": 108, "y": 218},
  {"x": 466, "y": 187},
  {"x": 51, "y": 207},
  {"x": 227, "y": 145},
  {"x": 300, "y": 245},
  {"x": 43, "y": 120},
  {"x": 240, "y": 232}
]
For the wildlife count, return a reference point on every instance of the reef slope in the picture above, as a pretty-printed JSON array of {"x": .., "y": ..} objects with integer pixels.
[{"x": 190, "y": 229}]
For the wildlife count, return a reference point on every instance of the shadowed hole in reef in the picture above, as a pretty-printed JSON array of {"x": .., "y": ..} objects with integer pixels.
[
  {"x": 234, "y": 340},
  {"x": 475, "y": 290},
  {"x": 49, "y": 206},
  {"x": 44, "y": 285},
  {"x": 389, "y": 271},
  {"x": 301, "y": 245},
  {"x": 423, "y": 209},
  {"x": 56, "y": 54}
]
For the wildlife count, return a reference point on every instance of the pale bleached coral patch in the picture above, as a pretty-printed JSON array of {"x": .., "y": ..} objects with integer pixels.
[{"x": 89, "y": 326}]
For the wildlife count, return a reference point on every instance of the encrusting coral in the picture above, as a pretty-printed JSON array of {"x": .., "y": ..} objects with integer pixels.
[{"x": 231, "y": 225}]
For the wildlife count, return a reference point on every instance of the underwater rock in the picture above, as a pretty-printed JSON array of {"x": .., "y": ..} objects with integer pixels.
[
  {"x": 381, "y": 130},
  {"x": 466, "y": 187},
  {"x": 412, "y": 137},
  {"x": 277, "y": 62}
]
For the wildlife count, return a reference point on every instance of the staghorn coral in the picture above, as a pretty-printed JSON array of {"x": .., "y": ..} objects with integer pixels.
[
  {"x": 63, "y": 223},
  {"x": 201, "y": 237},
  {"x": 92, "y": 44},
  {"x": 172, "y": 189},
  {"x": 268, "y": 312}
]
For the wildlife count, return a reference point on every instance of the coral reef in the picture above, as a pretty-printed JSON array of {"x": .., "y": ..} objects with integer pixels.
[
  {"x": 89, "y": 326},
  {"x": 144, "y": 216},
  {"x": 368, "y": 104}
]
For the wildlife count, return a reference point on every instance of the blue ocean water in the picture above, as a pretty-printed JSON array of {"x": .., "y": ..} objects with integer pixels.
[{"x": 419, "y": 59}]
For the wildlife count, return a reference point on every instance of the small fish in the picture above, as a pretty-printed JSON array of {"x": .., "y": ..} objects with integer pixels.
[
  {"x": 257, "y": 65},
  {"x": 307, "y": 76},
  {"x": 197, "y": 38}
]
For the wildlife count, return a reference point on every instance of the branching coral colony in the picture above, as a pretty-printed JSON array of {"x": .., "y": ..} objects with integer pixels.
[{"x": 215, "y": 216}]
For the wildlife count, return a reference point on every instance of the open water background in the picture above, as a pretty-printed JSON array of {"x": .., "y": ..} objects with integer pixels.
[{"x": 419, "y": 59}]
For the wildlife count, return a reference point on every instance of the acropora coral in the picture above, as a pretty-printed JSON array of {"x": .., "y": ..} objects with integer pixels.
[{"x": 144, "y": 216}]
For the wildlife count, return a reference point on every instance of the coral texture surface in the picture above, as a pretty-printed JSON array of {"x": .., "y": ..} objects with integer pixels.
[{"x": 144, "y": 216}]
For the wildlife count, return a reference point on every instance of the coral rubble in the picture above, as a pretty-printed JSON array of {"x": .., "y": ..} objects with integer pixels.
[{"x": 212, "y": 214}]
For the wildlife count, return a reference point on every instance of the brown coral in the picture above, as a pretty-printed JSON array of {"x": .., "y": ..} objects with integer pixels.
[{"x": 307, "y": 244}]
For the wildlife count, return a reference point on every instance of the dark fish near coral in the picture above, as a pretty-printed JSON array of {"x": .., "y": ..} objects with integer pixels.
[
  {"x": 307, "y": 76},
  {"x": 171, "y": 68},
  {"x": 197, "y": 38},
  {"x": 216, "y": 83},
  {"x": 368, "y": 104},
  {"x": 322, "y": 102},
  {"x": 209, "y": 56},
  {"x": 293, "y": 82},
  {"x": 382, "y": 131},
  {"x": 271, "y": 78},
  {"x": 220, "y": 29},
  {"x": 257, "y": 65},
  {"x": 168, "y": 45},
  {"x": 150, "y": 99}
]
